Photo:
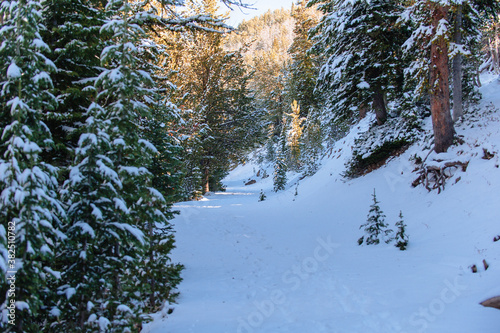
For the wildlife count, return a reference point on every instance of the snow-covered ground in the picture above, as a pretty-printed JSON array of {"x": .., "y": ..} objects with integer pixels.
[{"x": 292, "y": 263}]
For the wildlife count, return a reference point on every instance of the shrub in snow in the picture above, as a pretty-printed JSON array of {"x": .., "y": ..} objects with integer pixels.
[
  {"x": 375, "y": 226},
  {"x": 401, "y": 237},
  {"x": 262, "y": 195},
  {"x": 380, "y": 142}
]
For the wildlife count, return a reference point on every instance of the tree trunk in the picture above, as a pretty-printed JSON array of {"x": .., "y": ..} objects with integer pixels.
[
  {"x": 152, "y": 297},
  {"x": 206, "y": 180},
  {"x": 496, "y": 58},
  {"x": 439, "y": 90},
  {"x": 362, "y": 111},
  {"x": 457, "y": 69},
  {"x": 379, "y": 106}
]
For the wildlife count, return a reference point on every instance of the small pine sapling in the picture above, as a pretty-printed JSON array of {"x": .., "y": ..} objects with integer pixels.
[
  {"x": 401, "y": 236},
  {"x": 375, "y": 226},
  {"x": 262, "y": 195}
]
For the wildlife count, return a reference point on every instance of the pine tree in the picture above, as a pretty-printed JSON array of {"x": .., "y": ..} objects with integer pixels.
[
  {"x": 280, "y": 166},
  {"x": 262, "y": 195},
  {"x": 361, "y": 44},
  {"x": 375, "y": 226},
  {"x": 114, "y": 206},
  {"x": 72, "y": 31},
  {"x": 304, "y": 66},
  {"x": 29, "y": 208},
  {"x": 294, "y": 135},
  {"x": 156, "y": 272},
  {"x": 312, "y": 143},
  {"x": 401, "y": 237},
  {"x": 214, "y": 87},
  {"x": 431, "y": 66}
]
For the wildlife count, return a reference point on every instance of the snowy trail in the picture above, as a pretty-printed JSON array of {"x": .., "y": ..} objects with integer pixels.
[
  {"x": 292, "y": 264},
  {"x": 274, "y": 266}
]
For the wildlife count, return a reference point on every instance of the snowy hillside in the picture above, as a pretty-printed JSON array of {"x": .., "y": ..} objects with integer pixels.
[{"x": 291, "y": 263}]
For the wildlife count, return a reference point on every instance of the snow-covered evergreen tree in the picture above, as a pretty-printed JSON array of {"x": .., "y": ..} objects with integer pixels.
[
  {"x": 401, "y": 237},
  {"x": 294, "y": 135},
  {"x": 360, "y": 42},
  {"x": 430, "y": 43},
  {"x": 157, "y": 273},
  {"x": 73, "y": 33},
  {"x": 262, "y": 195},
  {"x": 375, "y": 226},
  {"x": 113, "y": 204},
  {"x": 29, "y": 209},
  {"x": 312, "y": 143},
  {"x": 280, "y": 165},
  {"x": 304, "y": 66}
]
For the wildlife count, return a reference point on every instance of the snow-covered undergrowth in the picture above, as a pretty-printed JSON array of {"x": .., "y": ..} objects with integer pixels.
[{"x": 291, "y": 263}]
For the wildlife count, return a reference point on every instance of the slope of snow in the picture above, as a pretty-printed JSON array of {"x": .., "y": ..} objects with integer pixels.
[{"x": 292, "y": 264}]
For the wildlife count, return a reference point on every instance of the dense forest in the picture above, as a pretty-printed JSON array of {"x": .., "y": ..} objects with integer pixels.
[{"x": 112, "y": 111}]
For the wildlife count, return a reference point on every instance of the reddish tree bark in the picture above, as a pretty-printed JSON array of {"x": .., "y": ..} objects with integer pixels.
[
  {"x": 439, "y": 89},
  {"x": 206, "y": 180},
  {"x": 379, "y": 106}
]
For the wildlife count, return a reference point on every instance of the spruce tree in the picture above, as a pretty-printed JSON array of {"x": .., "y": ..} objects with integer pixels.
[
  {"x": 401, "y": 237},
  {"x": 216, "y": 101},
  {"x": 156, "y": 272},
  {"x": 361, "y": 45},
  {"x": 429, "y": 43},
  {"x": 72, "y": 31},
  {"x": 29, "y": 209},
  {"x": 280, "y": 166},
  {"x": 114, "y": 206},
  {"x": 294, "y": 135},
  {"x": 312, "y": 143},
  {"x": 375, "y": 226},
  {"x": 304, "y": 66}
]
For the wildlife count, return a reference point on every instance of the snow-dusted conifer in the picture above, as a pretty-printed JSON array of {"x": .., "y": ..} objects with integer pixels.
[
  {"x": 114, "y": 206},
  {"x": 294, "y": 135},
  {"x": 430, "y": 44},
  {"x": 300, "y": 80},
  {"x": 73, "y": 33},
  {"x": 401, "y": 237},
  {"x": 312, "y": 143},
  {"x": 375, "y": 226},
  {"x": 280, "y": 166},
  {"x": 157, "y": 274},
  {"x": 29, "y": 209},
  {"x": 262, "y": 195},
  {"x": 360, "y": 41}
]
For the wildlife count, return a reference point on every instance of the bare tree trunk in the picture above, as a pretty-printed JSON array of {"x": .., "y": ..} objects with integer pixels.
[
  {"x": 363, "y": 110},
  {"x": 206, "y": 180},
  {"x": 457, "y": 69},
  {"x": 496, "y": 58},
  {"x": 379, "y": 106},
  {"x": 152, "y": 281},
  {"x": 439, "y": 89}
]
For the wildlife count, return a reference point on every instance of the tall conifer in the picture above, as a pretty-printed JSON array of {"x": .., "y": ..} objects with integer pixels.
[{"x": 29, "y": 209}]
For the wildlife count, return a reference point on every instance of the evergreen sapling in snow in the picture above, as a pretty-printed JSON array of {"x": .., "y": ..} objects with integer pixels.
[
  {"x": 262, "y": 195},
  {"x": 375, "y": 227},
  {"x": 401, "y": 237}
]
